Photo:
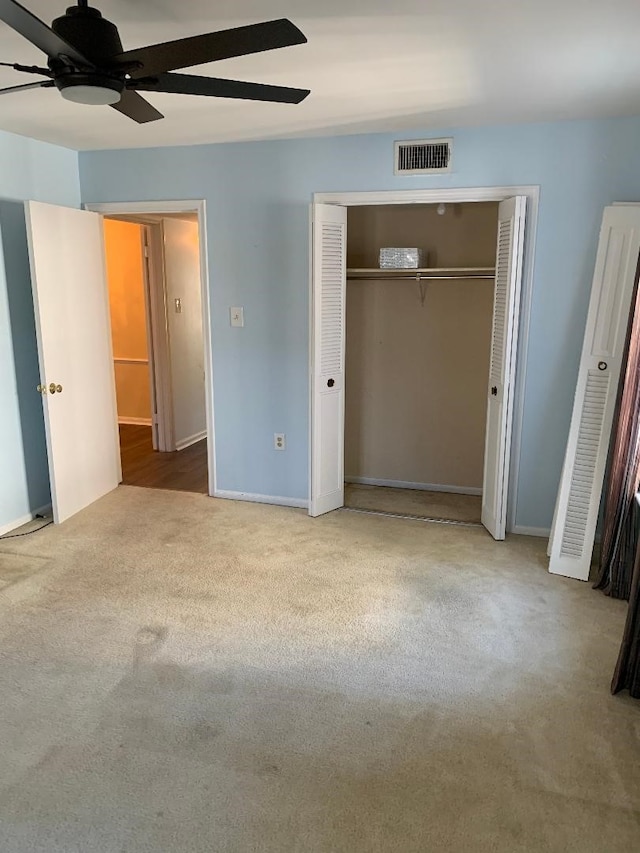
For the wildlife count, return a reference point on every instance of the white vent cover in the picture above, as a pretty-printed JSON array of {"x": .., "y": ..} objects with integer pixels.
[{"x": 423, "y": 156}]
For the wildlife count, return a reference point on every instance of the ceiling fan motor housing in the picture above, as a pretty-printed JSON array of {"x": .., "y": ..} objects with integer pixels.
[
  {"x": 86, "y": 29},
  {"x": 97, "y": 39}
]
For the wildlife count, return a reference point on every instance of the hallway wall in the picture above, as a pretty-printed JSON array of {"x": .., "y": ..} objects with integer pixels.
[{"x": 125, "y": 275}]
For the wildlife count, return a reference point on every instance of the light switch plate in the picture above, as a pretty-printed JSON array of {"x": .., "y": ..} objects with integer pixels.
[{"x": 237, "y": 316}]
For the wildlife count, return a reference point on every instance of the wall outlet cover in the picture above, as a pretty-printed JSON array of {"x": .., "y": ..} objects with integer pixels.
[
  {"x": 236, "y": 316},
  {"x": 279, "y": 441}
]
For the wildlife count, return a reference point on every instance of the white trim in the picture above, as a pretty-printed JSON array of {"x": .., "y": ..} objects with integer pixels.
[
  {"x": 157, "y": 413},
  {"x": 523, "y": 530},
  {"x": 156, "y": 208},
  {"x": 422, "y": 487},
  {"x": 45, "y": 510},
  {"x": 192, "y": 439},
  {"x": 197, "y": 206},
  {"x": 425, "y": 196},
  {"x": 155, "y": 294},
  {"x": 297, "y": 503},
  {"x": 130, "y": 360},
  {"x": 471, "y": 194},
  {"x": 310, "y": 361},
  {"x": 135, "y": 421}
]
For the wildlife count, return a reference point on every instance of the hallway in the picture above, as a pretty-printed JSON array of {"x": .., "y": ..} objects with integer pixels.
[{"x": 182, "y": 471}]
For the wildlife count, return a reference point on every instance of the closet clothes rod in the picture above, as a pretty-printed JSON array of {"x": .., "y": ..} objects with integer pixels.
[
  {"x": 418, "y": 277},
  {"x": 434, "y": 274}
]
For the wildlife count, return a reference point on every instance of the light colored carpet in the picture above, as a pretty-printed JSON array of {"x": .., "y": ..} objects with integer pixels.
[
  {"x": 413, "y": 502},
  {"x": 205, "y": 676}
]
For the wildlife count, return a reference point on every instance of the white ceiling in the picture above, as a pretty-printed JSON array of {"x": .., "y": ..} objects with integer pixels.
[{"x": 372, "y": 65}]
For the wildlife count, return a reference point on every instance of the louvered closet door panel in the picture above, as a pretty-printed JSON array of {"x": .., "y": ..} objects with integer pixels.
[
  {"x": 578, "y": 504},
  {"x": 328, "y": 328},
  {"x": 506, "y": 305}
]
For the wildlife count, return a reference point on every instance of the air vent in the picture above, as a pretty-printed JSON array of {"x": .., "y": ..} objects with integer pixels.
[{"x": 423, "y": 156}]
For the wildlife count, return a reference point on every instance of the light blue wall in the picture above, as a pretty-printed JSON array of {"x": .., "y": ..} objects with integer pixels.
[
  {"x": 29, "y": 170},
  {"x": 257, "y": 202}
]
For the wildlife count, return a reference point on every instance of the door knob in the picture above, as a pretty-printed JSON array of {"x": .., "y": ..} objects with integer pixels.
[
  {"x": 494, "y": 390},
  {"x": 53, "y": 388},
  {"x": 331, "y": 383},
  {"x": 42, "y": 389}
]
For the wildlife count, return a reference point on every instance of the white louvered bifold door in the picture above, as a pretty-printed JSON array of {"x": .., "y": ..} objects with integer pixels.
[
  {"x": 578, "y": 504},
  {"x": 504, "y": 339},
  {"x": 329, "y": 242}
]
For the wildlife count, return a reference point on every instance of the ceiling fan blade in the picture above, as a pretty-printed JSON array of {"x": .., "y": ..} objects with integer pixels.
[
  {"x": 135, "y": 107},
  {"x": 43, "y": 84},
  {"x": 38, "y": 33},
  {"x": 224, "y": 44},
  {"x": 214, "y": 87}
]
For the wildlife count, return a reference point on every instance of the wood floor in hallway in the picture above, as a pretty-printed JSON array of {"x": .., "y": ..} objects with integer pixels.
[{"x": 182, "y": 470}]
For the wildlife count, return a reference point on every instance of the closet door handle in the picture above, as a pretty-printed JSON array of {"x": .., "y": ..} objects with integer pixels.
[
  {"x": 494, "y": 390},
  {"x": 331, "y": 383}
]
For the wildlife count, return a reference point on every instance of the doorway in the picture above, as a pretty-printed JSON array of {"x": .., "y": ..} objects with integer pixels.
[
  {"x": 154, "y": 283},
  {"x": 418, "y": 351},
  {"x": 329, "y": 235}
]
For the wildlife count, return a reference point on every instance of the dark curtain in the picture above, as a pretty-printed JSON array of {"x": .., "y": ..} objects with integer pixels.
[
  {"x": 619, "y": 569},
  {"x": 620, "y": 530},
  {"x": 627, "y": 674}
]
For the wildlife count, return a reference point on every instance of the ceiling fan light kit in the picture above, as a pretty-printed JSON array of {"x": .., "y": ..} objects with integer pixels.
[
  {"x": 99, "y": 96},
  {"x": 87, "y": 64}
]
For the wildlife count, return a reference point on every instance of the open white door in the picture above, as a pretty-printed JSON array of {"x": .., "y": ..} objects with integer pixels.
[
  {"x": 504, "y": 340},
  {"x": 578, "y": 504},
  {"x": 71, "y": 304},
  {"x": 329, "y": 284}
]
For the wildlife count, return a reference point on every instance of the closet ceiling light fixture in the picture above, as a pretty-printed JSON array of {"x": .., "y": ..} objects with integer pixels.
[{"x": 86, "y": 62}]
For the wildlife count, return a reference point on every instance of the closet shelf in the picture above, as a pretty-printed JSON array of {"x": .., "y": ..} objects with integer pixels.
[{"x": 423, "y": 274}]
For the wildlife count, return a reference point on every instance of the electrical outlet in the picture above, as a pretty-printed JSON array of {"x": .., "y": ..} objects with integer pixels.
[{"x": 279, "y": 441}]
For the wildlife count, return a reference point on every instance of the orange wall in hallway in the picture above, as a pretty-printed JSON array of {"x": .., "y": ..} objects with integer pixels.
[{"x": 128, "y": 319}]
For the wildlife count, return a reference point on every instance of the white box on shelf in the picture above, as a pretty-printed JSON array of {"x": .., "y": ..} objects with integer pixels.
[{"x": 394, "y": 258}]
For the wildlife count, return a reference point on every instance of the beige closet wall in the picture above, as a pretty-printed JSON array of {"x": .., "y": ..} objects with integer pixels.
[
  {"x": 416, "y": 375},
  {"x": 128, "y": 320}
]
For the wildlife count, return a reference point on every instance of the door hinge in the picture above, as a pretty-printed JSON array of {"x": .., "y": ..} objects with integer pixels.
[{"x": 146, "y": 251}]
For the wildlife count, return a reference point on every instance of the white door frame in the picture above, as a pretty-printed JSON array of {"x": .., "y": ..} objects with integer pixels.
[
  {"x": 158, "y": 335},
  {"x": 151, "y": 251},
  {"x": 197, "y": 206},
  {"x": 453, "y": 196}
]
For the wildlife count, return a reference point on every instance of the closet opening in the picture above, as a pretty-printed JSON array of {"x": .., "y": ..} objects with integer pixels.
[
  {"x": 417, "y": 359},
  {"x": 157, "y": 330},
  {"x": 432, "y": 363}
]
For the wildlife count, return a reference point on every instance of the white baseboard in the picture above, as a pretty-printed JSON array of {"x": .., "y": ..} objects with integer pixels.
[
  {"x": 523, "y": 530},
  {"x": 193, "y": 439},
  {"x": 135, "y": 421},
  {"x": 298, "y": 503},
  {"x": 422, "y": 487},
  {"x": 18, "y": 522}
]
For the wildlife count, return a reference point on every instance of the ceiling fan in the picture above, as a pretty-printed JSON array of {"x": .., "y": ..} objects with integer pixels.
[{"x": 86, "y": 62}]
